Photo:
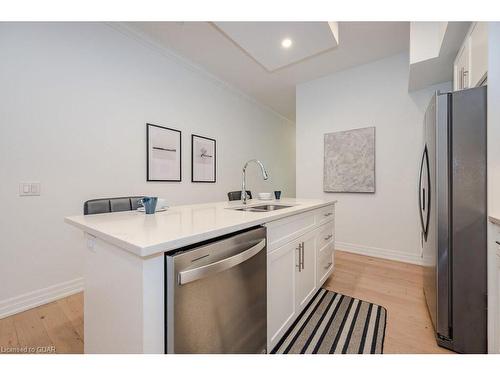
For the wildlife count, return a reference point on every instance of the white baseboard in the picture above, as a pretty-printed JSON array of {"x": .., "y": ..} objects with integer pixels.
[
  {"x": 379, "y": 253},
  {"x": 39, "y": 297}
]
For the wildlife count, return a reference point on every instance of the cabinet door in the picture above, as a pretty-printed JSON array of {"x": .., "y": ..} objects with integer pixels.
[
  {"x": 306, "y": 273},
  {"x": 325, "y": 263},
  {"x": 462, "y": 76},
  {"x": 478, "y": 53},
  {"x": 281, "y": 305}
]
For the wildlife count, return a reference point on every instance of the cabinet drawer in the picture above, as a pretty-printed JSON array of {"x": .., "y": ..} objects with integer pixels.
[
  {"x": 326, "y": 234},
  {"x": 324, "y": 214},
  {"x": 325, "y": 264},
  {"x": 285, "y": 230}
]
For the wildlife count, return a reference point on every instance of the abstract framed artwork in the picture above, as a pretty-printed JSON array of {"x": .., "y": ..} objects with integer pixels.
[
  {"x": 349, "y": 161},
  {"x": 164, "y": 153},
  {"x": 203, "y": 159}
]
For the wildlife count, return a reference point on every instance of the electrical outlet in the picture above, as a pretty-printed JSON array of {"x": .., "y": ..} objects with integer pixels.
[
  {"x": 90, "y": 242},
  {"x": 27, "y": 189}
]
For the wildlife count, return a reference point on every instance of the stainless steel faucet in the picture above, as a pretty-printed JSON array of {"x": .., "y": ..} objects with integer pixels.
[{"x": 243, "y": 181}]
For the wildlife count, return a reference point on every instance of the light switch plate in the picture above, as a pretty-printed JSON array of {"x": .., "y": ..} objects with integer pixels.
[{"x": 27, "y": 189}]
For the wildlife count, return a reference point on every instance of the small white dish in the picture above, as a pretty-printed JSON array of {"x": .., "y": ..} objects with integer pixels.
[
  {"x": 141, "y": 209},
  {"x": 265, "y": 196},
  {"x": 162, "y": 202}
]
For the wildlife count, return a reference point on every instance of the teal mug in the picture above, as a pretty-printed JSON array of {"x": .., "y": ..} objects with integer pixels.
[{"x": 149, "y": 204}]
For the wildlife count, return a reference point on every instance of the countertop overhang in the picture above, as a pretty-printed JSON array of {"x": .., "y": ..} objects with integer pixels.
[{"x": 179, "y": 226}]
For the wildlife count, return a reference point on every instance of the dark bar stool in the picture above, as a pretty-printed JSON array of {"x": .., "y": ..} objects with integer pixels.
[
  {"x": 104, "y": 205},
  {"x": 236, "y": 195}
]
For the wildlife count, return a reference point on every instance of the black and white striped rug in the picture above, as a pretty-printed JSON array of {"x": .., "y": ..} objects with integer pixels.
[{"x": 336, "y": 324}]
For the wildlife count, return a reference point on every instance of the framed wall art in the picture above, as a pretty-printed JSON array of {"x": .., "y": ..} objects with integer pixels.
[
  {"x": 164, "y": 154},
  {"x": 203, "y": 159},
  {"x": 349, "y": 161}
]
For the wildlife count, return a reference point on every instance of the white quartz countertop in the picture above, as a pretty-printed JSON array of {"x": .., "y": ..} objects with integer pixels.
[
  {"x": 179, "y": 226},
  {"x": 495, "y": 219}
]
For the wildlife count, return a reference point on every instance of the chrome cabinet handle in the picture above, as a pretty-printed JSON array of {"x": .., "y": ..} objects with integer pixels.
[
  {"x": 463, "y": 78},
  {"x": 328, "y": 237},
  {"x": 328, "y": 214},
  {"x": 300, "y": 257},
  {"x": 328, "y": 265},
  {"x": 303, "y": 255},
  {"x": 221, "y": 265},
  {"x": 301, "y": 246},
  {"x": 498, "y": 242}
]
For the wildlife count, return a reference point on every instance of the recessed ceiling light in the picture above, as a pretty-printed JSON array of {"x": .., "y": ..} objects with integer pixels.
[{"x": 286, "y": 43}]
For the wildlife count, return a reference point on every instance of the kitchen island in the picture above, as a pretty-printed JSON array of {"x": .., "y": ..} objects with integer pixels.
[{"x": 124, "y": 273}]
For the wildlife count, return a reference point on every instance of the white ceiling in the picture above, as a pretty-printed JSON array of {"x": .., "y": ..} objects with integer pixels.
[
  {"x": 262, "y": 40},
  {"x": 206, "y": 45}
]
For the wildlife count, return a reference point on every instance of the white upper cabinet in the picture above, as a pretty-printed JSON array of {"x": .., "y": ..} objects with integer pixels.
[
  {"x": 471, "y": 63},
  {"x": 462, "y": 67},
  {"x": 478, "y": 53},
  {"x": 433, "y": 49}
]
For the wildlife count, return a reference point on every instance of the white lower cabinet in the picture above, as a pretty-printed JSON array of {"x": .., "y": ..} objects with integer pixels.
[
  {"x": 325, "y": 263},
  {"x": 291, "y": 282},
  {"x": 305, "y": 269},
  {"x": 325, "y": 249},
  {"x": 280, "y": 291},
  {"x": 297, "y": 269}
]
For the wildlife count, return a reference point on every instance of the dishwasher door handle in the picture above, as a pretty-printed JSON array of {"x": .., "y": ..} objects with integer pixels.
[{"x": 221, "y": 265}]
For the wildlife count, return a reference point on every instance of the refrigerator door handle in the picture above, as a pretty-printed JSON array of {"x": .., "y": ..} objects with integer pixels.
[
  {"x": 423, "y": 198},
  {"x": 420, "y": 193},
  {"x": 424, "y": 194}
]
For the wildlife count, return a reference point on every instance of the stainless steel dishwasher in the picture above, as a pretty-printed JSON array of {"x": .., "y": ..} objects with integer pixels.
[{"x": 216, "y": 296}]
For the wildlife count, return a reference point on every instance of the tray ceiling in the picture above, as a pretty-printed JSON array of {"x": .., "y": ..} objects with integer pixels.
[
  {"x": 263, "y": 40},
  {"x": 248, "y": 57}
]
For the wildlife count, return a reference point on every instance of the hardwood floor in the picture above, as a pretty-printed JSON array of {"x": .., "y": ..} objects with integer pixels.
[
  {"x": 58, "y": 326},
  {"x": 397, "y": 287}
]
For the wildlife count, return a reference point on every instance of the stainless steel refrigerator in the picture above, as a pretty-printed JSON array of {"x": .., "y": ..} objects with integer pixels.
[{"x": 452, "y": 206}]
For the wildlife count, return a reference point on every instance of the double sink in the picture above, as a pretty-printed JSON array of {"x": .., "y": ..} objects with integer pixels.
[{"x": 261, "y": 208}]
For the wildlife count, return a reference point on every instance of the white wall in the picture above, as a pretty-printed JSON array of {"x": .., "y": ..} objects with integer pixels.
[
  {"x": 74, "y": 101},
  {"x": 386, "y": 223},
  {"x": 493, "y": 185}
]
